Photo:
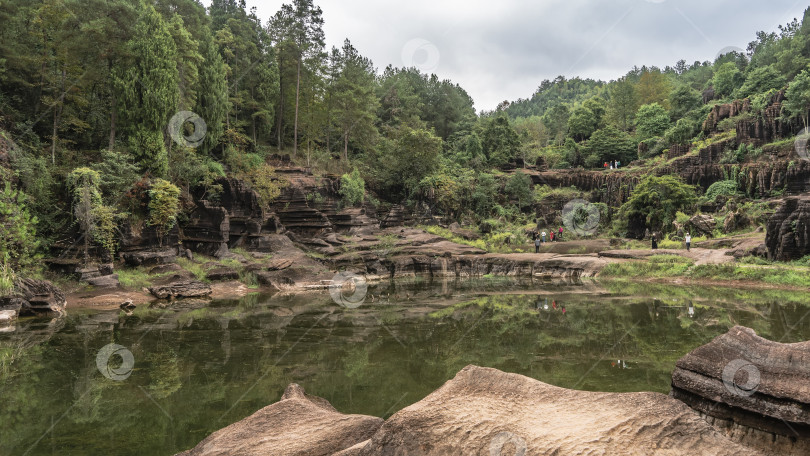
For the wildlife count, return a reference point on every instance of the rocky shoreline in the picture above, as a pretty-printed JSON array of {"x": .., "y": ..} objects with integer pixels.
[{"x": 487, "y": 411}]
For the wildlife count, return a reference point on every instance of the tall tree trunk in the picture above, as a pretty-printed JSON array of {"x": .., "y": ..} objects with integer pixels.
[
  {"x": 228, "y": 111},
  {"x": 346, "y": 147},
  {"x": 253, "y": 117},
  {"x": 57, "y": 115},
  {"x": 113, "y": 115},
  {"x": 297, "y": 96},
  {"x": 53, "y": 136},
  {"x": 279, "y": 124}
]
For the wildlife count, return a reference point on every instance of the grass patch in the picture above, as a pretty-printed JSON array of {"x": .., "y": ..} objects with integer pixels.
[
  {"x": 6, "y": 279},
  {"x": 780, "y": 144},
  {"x": 775, "y": 275},
  {"x": 504, "y": 239},
  {"x": 542, "y": 192},
  {"x": 134, "y": 279},
  {"x": 193, "y": 267},
  {"x": 669, "y": 259},
  {"x": 794, "y": 274},
  {"x": 655, "y": 266},
  {"x": 447, "y": 234},
  {"x": 249, "y": 279}
]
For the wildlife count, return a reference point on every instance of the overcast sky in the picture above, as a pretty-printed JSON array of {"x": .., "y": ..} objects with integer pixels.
[{"x": 502, "y": 49}]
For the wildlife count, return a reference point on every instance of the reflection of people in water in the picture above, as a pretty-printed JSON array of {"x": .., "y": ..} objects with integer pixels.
[
  {"x": 554, "y": 304},
  {"x": 691, "y": 310},
  {"x": 619, "y": 363},
  {"x": 563, "y": 310}
]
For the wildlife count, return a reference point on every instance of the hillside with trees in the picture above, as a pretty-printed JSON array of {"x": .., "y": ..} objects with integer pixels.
[{"x": 117, "y": 111}]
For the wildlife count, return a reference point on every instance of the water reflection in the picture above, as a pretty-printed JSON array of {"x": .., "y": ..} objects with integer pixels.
[{"x": 198, "y": 367}]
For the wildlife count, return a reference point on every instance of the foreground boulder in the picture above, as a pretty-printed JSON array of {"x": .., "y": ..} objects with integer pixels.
[
  {"x": 486, "y": 411},
  {"x": 34, "y": 297},
  {"x": 788, "y": 230},
  {"x": 298, "y": 424},
  {"x": 757, "y": 390},
  {"x": 702, "y": 224},
  {"x": 181, "y": 289}
]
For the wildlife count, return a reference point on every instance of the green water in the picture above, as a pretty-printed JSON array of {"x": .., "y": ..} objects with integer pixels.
[{"x": 199, "y": 368}]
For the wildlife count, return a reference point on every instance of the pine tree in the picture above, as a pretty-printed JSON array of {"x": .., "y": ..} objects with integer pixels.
[
  {"x": 298, "y": 28},
  {"x": 212, "y": 102},
  {"x": 354, "y": 98},
  {"x": 148, "y": 91}
]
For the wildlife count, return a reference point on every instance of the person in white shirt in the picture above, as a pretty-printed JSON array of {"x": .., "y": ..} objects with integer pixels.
[
  {"x": 688, "y": 240},
  {"x": 543, "y": 235}
]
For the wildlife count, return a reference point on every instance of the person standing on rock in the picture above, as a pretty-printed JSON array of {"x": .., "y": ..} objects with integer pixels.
[
  {"x": 543, "y": 235},
  {"x": 536, "y": 245},
  {"x": 688, "y": 240},
  {"x": 654, "y": 242},
  {"x": 559, "y": 233}
]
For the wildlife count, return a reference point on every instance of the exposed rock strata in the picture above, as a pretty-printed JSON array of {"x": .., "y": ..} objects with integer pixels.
[
  {"x": 788, "y": 230},
  {"x": 35, "y": 297},
  {"x": 181, "y": 289},
  {"x": 755, "y": 389}
]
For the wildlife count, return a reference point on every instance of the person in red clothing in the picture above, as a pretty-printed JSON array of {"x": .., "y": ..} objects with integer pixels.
[{"x": 559, "y": 233}]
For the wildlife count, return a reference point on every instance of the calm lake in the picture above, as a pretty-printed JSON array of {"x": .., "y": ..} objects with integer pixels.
[{"x": 178, "y": 373}]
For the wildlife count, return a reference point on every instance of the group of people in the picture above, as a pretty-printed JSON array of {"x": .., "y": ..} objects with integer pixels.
[
  {"x": 613, "y": 164},
  {"x": 540, "y": 237},
  {"x": 554, "y": 305},
  {"x": 686, "y": 239}
]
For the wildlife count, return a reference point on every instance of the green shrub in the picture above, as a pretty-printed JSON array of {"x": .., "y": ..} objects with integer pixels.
[
  {"x": 724, "y": 188},
  {"x": 653, "y": 205},
  {"x": 519, "y": 188},
  {"x": 117, "y": 172},
  {"x": 18, "y": 242},
  {"x": 264, "y": 181},
  {"x": 164, "y": 205},
  {"x": 352, "y": 188}
]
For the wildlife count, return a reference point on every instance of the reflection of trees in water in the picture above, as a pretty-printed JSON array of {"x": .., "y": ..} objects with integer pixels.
[{"x": 207, "y": 369}]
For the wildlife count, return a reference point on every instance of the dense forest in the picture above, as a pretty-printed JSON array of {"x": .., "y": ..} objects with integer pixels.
[{"x": 120, "y": 108}]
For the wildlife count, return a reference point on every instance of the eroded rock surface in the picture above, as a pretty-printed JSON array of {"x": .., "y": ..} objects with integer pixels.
[
  {"x": 482, "y": 411},
  {"x": 149, "y": 257},
  {"x": 34, "y": 296},
  {"x": 485, "y": 411},
  {"x": 788, "y": 230},
  {"x": 297, "y": 425},
  {"x": 181, "y": 289},
  {"x": 755, "y": 389}
]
